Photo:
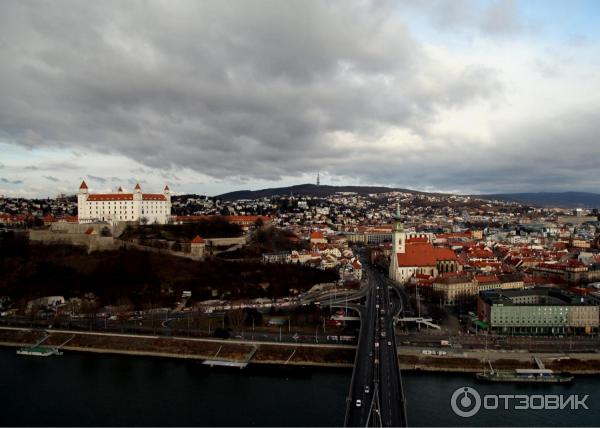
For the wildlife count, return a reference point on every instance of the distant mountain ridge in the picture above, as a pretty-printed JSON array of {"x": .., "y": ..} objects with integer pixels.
[
  {"x": 308, "y": 190},
  {"x": 550, "y": 199}
]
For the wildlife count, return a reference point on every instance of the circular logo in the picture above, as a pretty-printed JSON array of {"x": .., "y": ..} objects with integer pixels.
[{"x": 465, "y": 402}]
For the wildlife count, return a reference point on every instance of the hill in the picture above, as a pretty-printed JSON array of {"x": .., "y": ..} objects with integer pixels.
[
  {"x": 551, "y": 199},
  {"x": 540, "y": 199},
  {"x": 308, "y": 190}
]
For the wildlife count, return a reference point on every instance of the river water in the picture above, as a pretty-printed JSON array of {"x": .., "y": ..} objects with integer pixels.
[{"x": 94, "y": 389}]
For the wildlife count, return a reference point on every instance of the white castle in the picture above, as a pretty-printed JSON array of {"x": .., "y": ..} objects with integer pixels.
[{"x": 121, "y": 206}]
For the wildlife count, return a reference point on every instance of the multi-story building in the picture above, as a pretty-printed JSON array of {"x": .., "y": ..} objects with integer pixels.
[
  {"x": 417, "y": 255},
  {"x": 121, "y": 206},
  {"x": 455, "y": 288},
  {"x": 537, "y": 311},
  {"x": 571, "y": 271}
]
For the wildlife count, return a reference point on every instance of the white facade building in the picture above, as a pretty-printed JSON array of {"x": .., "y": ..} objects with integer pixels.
[{"x": 121, "y": 206}]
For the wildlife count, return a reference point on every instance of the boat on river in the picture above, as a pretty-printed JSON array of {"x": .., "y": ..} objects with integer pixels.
[{"x": 39, "y": 351}]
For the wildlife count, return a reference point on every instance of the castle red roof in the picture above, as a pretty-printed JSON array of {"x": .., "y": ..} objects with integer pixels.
[
  {"x": 83, "y": 185},
  {"x": 153, "y": 197},
  {"x": 197, "y": 240},
  {"x": 137, "y": 186},
  {"x": 111, "y": 197},
  {"x": 125, "y": 197}
]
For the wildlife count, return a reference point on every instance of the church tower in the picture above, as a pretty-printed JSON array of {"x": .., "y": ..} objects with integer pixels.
[
  {"x": 82, "y": 196},
  {"x": 398, "y": 243}
]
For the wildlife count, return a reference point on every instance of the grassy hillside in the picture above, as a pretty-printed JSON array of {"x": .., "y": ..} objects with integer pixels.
[{"x": 29, "y": 271}]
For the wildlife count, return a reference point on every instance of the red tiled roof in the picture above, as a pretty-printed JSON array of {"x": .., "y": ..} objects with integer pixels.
[
  {"x": 417, "y": 239},
  {"x": 480, "y": 253},
  {"x": 137, "y": 186},
  {"x": 417, "y": 258},
  {"x": 316, "y": 235},
  {"x": 125, "y": 197},
  {"x": 444, "y": 254},
  {"x": 83, "y": 185},
  {"x": 111, "y": 197},
  {"x": 153, "y": 197},
  {"x": 466, "y": 234},
  {"x": 197, "y": 240},
  {"x": 240, "y": 219},
  {"x": 486, "y": 279},
  {"x": 12, "y": 217},
  {"x": 423, "y": 254}
]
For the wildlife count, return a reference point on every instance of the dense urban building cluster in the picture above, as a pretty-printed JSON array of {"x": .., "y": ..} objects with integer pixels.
[{"x": 464, "y": 251}]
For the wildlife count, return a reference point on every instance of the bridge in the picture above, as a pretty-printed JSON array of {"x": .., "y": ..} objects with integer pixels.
[{"x": 376, "y": 397}]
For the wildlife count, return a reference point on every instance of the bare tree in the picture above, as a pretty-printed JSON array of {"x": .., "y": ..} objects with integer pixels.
[{"x": 236, "y": 319}]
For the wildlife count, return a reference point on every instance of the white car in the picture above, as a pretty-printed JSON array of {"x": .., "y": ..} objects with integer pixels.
[
  {"x": 367, "y": 389},
  {"x": 358, "y": 403}
]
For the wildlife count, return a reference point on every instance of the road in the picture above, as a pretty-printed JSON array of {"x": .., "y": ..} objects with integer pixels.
[
  {"x": 376, "y": 397},
  {"x": 363, "y": 376}
]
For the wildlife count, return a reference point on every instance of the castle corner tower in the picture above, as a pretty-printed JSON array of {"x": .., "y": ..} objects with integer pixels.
[{"x": 82, "y": 195}]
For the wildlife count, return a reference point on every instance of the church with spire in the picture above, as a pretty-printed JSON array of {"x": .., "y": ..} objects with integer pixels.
[
  {"x": 123, "y": 206},
  {"x": 413, "y": 254}
]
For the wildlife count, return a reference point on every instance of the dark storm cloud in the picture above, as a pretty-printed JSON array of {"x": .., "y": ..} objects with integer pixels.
[
  {"x": 234, "y": 88},
  {"x": 563, "y": 157},
  {"x": 247, "y": 90},
  {"x": 7, "y": 181}
]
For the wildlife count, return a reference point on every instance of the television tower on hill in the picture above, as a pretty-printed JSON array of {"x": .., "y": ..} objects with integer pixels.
[{"x": 318, "y": 179}]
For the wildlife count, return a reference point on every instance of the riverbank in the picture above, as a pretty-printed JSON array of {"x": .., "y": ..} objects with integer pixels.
[
  {"x": 295, "y": 354},
  {"x": 227, "y": 350}
]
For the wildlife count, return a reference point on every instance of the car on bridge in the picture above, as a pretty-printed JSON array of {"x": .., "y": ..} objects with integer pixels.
[{"x": 358, "y": 403}]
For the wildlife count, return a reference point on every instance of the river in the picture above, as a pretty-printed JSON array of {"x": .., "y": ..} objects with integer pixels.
[{"x": 94, "y": 389}]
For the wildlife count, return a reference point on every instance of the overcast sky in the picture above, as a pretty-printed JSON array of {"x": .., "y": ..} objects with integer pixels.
[{"x": 213, "y": 96}]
